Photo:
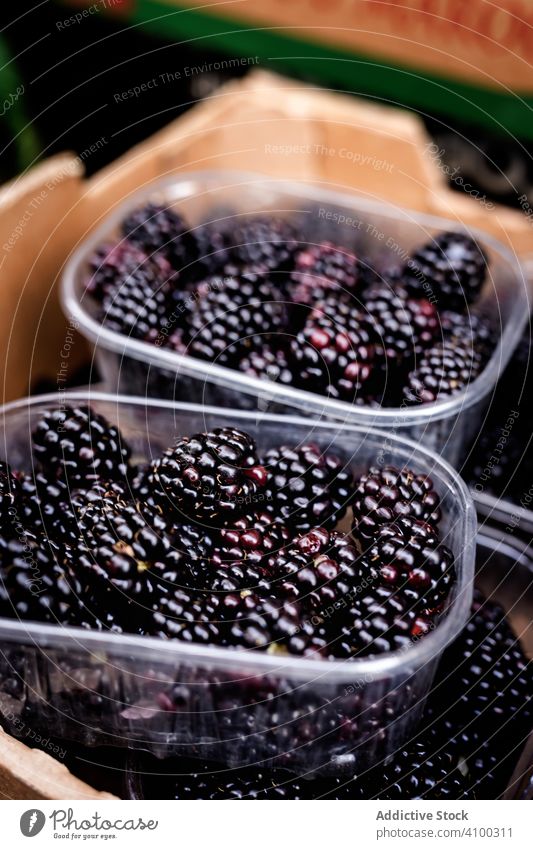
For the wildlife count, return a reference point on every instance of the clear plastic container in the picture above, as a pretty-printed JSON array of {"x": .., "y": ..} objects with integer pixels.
[
  {"x": 504, "y": 568},
  {"x": 381, "y": 232},
  {"x": 230, "y": 706}
]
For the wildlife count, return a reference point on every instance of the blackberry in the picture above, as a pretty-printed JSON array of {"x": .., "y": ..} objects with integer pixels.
[
  {"x": 484, "y": 692},
  {"x": 306, "y": 487},
  {"x": 136, "y": 305},
  {"x": 264, "y": 243},
  {"x": 111, "y": 264},
  {"x": 124, "y": 558},
  {"x": 405, "y": 326},
  {"x": 234, "y": 315},
  {"x": 188, "y": 616},
  {"x": 208, "y": 477},
  {"x": 48, "y": 508},
  {"x": 211, "y": 252},
  {"x": 379, "y": 621},
  {"x": 275, "y": 625},
  {"x": 470, "y": 326},
  {"x": 407, "y": 556},
  {"x": 268, "y": 364},
  {"x": 193, "y": 779},
  {"x": 81, "y": 446},
  {"x": 383, "y": 495},
  {"x": 320, "y": 270},
  {"x": 332, "y": 358},
  {"x": 451, "y": 268},
  {"x": 444, "y": 370},
  {"x": 471, "y": 330},
  {"x": 9, "y": 494},
  {"x": 158, "y": 229},
  {"x": 417, "y": 772},
  {"x": 237, "y": 557},
  {"x": 317, "y": 570},
  {"x": 38, "y": 581}
]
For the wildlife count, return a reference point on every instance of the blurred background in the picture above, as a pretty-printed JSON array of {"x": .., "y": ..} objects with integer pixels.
[{"x": 69, "y": 67}]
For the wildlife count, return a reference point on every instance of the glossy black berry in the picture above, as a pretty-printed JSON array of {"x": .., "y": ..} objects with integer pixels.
[
  {"x": 264, "y": 243},
  {"x": 136, "y": 305},
  {"x": 38, "y": 581},
  {"x": 385, "y": 494},
  {"x": 333, "y": 355},
  {"x": 404, "y": 326},
  {"x": 237, "y": 557},
  {"x": 233, "y": 316},
  {"x": 318, "y": 570},
  {"x": 408, "y": 557},
  {"x": 443, "y": 371},
  {"x": 320, "y": 270},
  {"x": 450, "y": 269},
  {"x": 80, "y": 445},
  {"x": 422, "y": 771},
  {"x": 268, "y": 364},
  {"x": 379, "y": 621},
  {"x": 307, "y": 487},
  {"x": 210, "y": 476},
  {"x": 158, "y": 229}
]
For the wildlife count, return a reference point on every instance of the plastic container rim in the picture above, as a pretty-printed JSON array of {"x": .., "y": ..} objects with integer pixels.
[
  {"x": 185, "y": 364},
  {"x": 327, "y": 671}
]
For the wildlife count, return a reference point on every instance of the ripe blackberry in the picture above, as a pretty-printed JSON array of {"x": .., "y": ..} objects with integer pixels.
[
  {"x": 211, "y": 252},
  {"x": 404, "y": 326},
  {"x": 111, "y": 264},
  {"x": 237, "y": 557},
  {"x": 124, "y": 556},
  {"x": 264, "y": 243},
  {"x": 9, "y": 493},
  {"x": 81, "y": 446},
  {"x": 306, "y": 488},
  {"x": 193, "y": 779},
  {"x": 379, "y": 621},
  {"x": 472, "y": 330},
  {"x": 253, "y": 621},
  {"x": 235, "y": 314},
  {"x": 186, "y": 615},
  {"x": 320, "y": 270},
  {"x": 451, "y": 268},
  {"x": 208, "y": 477},
  {"x": 38, "y": 581},
  {"x": 48, "y": 507},
  {"x": 407, "y": 557},
  {"x": 484, "y": 691},
  {"x": 444, "y": 370},
  {"x": 136, "y": 304},
  {"x": 418, "y": 772},
  {"x": 158, "y": 229},
  {"x": 317, "y": 570},
  {"x": 383, "y": 495},
  {"x": 268, "y": 364},
  {"x": 333, "y": 358}
]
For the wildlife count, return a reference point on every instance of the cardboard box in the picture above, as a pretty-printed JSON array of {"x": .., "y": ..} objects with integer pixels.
[{"x": 263, "y": 123}]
